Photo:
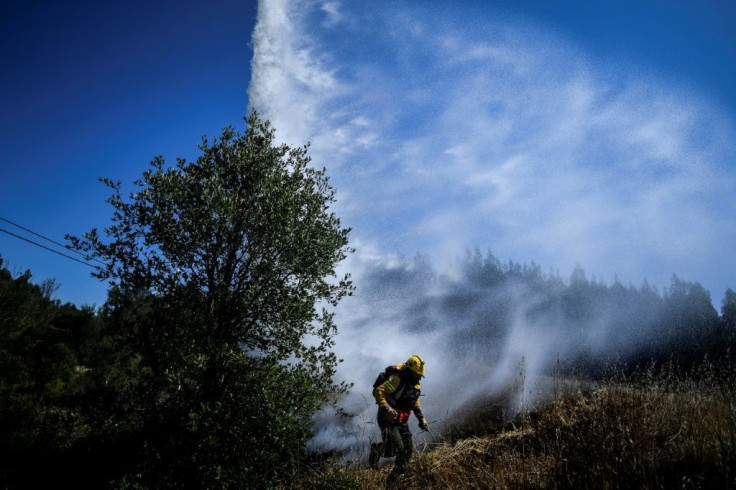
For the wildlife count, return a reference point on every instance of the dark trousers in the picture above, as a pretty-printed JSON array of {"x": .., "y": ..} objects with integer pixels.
[{"x": 396, "y": 441}]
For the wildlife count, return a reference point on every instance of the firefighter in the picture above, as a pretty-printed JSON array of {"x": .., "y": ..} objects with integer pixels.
[{"x": 397, "y": 397}]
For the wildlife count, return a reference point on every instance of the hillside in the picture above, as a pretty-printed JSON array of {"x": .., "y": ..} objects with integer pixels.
[{"x": 656, "y": 428}]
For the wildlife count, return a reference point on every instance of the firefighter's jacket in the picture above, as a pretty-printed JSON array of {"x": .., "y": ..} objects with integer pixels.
[{"x": 400, "y": 396}]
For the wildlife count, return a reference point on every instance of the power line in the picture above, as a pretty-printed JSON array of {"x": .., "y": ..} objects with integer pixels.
[
  {"x": 49, "y": 249},
  {"x": 47, "y": 239}
]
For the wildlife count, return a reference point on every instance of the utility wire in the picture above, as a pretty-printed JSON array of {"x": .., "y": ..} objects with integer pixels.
[
  {"x": 47, "y": 239},
  {"x": 49, "y": 249}
]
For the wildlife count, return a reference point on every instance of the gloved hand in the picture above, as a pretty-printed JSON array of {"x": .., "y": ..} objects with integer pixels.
[
  {"x": 391, "y": 414},
  {"x": 423, "y": 423}
]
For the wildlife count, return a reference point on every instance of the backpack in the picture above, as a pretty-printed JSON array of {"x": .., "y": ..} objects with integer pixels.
[{"x": 384, "y": 375}]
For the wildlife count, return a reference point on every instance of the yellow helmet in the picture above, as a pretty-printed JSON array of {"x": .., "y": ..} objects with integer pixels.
[{"x": 416, "y": 364}]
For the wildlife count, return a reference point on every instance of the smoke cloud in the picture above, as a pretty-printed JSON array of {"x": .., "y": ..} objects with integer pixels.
[
  {"x": 493, "y": 330},
  {"x": 441, "y": 134}
]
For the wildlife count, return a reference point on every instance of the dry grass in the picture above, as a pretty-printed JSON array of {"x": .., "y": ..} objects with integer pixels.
[{"x": 658, "y": 429}]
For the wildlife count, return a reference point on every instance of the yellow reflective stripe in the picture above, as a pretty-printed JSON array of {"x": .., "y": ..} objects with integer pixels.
[{"x": 389, "y": 385}]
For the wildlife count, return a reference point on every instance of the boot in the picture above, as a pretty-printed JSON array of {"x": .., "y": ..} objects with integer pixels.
[{"x": 375, "y": 456}]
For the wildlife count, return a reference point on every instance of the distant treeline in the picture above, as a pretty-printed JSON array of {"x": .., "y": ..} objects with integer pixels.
[{"x": 486, "y": 304}]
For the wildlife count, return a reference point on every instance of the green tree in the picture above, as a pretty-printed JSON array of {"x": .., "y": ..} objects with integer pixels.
[
  {"x": 223, "y": 275},
  {"x": 728, "y": 315},
  {"x": 690, "y": 321},
  {"x": 42, "y": 344}
]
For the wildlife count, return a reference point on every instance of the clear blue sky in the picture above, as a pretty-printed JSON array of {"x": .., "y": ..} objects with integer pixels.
[
  {"x": 564, "y": 132},
  {"x": 93, "y": 89}
]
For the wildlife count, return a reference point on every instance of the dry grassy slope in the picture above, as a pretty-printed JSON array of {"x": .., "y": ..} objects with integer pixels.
[{"x": 664, "y": 434}]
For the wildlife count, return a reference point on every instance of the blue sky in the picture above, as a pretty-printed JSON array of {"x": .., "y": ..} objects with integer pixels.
[
  {"x": 93, "y": 89},
  {"x": 554, "y": 132},
  {"x": 566, "y": 132}
]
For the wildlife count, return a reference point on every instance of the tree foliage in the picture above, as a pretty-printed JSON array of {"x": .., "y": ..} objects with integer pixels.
[
  {"x": 223, "y": 275},
  {"x": 728, "y": 311},
  {"x": 42, "y": 345}
]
